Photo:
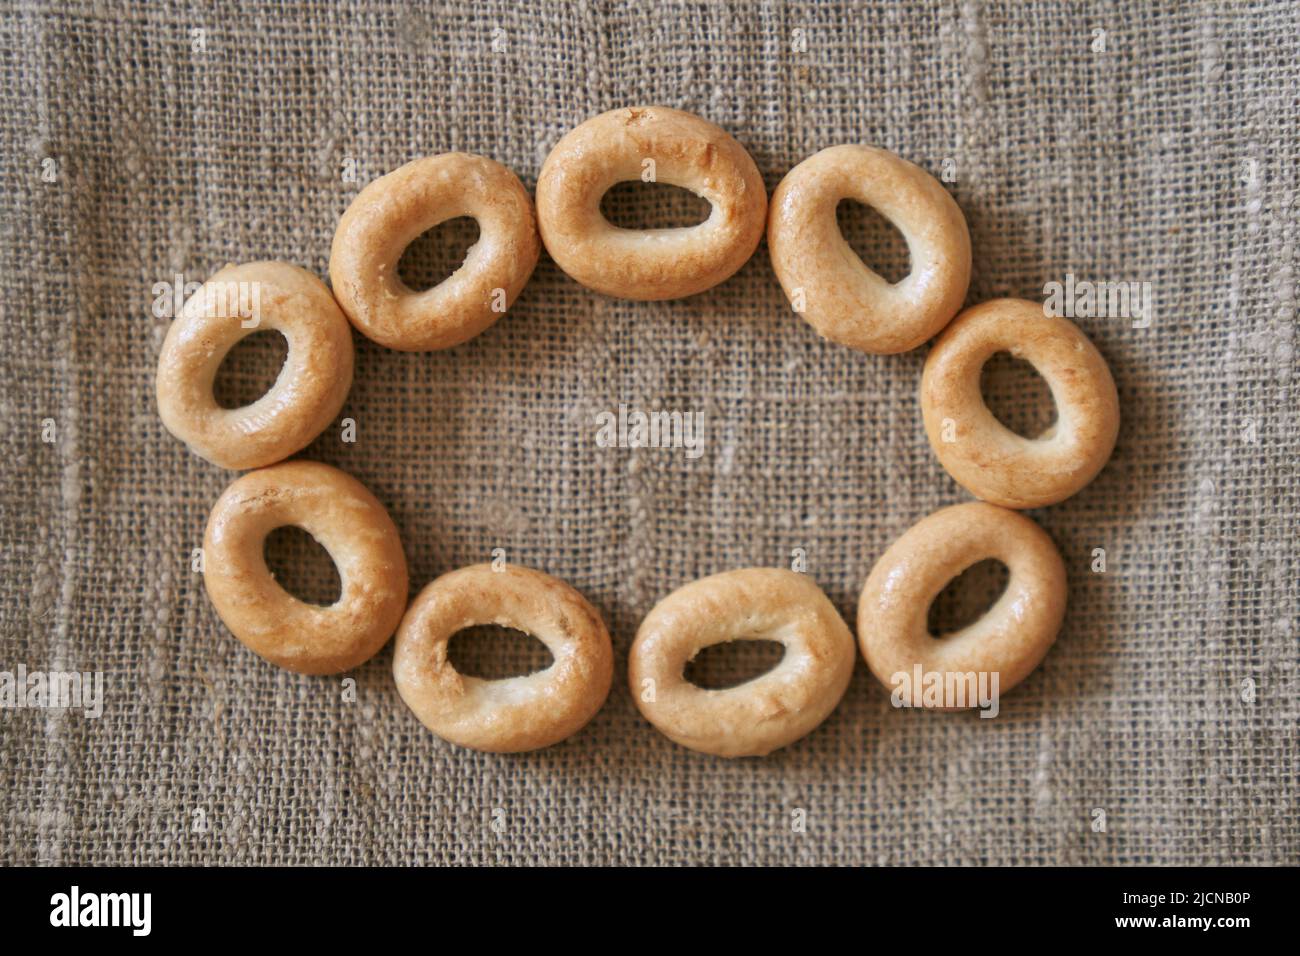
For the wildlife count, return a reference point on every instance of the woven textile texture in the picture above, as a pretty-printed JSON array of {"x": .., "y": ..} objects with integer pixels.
[{"x": 1110, "y": 141}]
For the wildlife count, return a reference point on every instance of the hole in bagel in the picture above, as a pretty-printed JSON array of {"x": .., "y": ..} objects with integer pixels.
[
  {"x": 1017, "y": 395},
  {"x": 250, "y": 368},
  {"x": 875, "y": 239},
  {"x": 967, "y": 597},
  {"x": 302, "y": 566},
  {"x": 493, "y": 652},
  {"x": 732, "y": 663},
  {"x": 638, "y": 205},
  {"x": 434, "y": 255}
]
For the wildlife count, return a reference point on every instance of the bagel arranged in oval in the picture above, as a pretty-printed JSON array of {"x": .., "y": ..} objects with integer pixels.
[
  {"x": 517, "y": 713},
  {"x": 353, "y": 527},
  {"x": 655, "y": 144},
  {"x": 1008, "y": 641},
  {"x": 760, "y": 715},
  {"x": 830, "y": 287},
  {"x": 826, "y": 282},
  {"x": 984, "y": 456},
  {"x": 394, "y": 210},
  {"x": 310, "y": 390}
]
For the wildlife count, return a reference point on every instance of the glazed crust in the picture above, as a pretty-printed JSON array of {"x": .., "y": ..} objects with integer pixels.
[
  {"x": 689, "y": 152},
  {"x": 842, "y": 298},
  {"x": 763, "y": 714},
  {"x": 1010, "y": 639},
  {"x": 308, "y": 393},
  {"x": 984, "y": 456},
  {"x": 347, "y": 520},
  {"x": 518, "y": 713},
  {"x": 394, "y": 210}
]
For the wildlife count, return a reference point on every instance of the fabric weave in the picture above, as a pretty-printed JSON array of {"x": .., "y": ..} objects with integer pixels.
[{"x": 141, "y": 142}]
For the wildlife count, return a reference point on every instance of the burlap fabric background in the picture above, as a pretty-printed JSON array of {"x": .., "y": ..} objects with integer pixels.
[{"x": 1168, "y": 157}]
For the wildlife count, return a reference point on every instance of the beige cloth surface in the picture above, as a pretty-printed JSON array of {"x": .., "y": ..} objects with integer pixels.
[{"x": 1169, "y": 703}]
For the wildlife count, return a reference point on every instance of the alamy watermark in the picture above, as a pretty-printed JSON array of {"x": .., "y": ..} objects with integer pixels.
[
  {"x": 53, "y": 690},
  {"x": 949, "y": 690},
  {"x": 1072, "y": 299},
  {"x": 130, "y": 910},
  {"x": 223, "y": 299},
  {"x": 634, "y": 428}
]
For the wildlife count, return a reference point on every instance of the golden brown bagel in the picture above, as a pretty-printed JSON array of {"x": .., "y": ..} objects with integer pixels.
[
  {"x": 347, "y": 520},
  {"x": 309, "y": 391},
  {"x": 834, "y": 291},
  {"x": 518, "y": 713},
  {"x": 686, "y": 151},
  {"x": 1009, "y": 640},
  {"x": 763, "y": 714},
  {"x": 391, "y": 212},
  {"x": 983, "y": 455}
]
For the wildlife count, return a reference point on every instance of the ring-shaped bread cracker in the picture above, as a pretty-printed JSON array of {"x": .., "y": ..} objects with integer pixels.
[
  {"x": 349, "y": 523},
  {"x": 835, "y": 291},
  {"x": 760, "y": 715},
  {"x": 517, "y": 713},
  {"x": 309, "y": 391},
  {"x": 391, "y": 212},
  {"x": 652, "y": 143},
  {"x": 984, "y": 456},
  {"x": 1009, "y": 640}
]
